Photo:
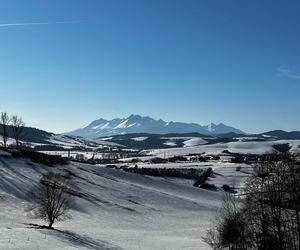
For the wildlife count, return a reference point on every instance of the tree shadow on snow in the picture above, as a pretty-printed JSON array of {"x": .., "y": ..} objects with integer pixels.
[{"x": 81, "y": 241}]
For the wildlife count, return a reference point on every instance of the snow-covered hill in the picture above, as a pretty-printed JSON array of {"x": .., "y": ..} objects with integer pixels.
[
  {"x": 139, "y": 124},
  {"x": 115, "y": 209},
  {"x": 158, "y": 141},
  {"x": 39, "y": 140}
]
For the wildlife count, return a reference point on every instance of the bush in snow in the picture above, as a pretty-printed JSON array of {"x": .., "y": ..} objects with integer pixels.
[
  {"x": 230, "y": 229},
  {"x": 239, "y": 168},
  {"x": 53, "y": 198},
  {"x": 226, "y": 187},
  {"x": 207, "y": 185}
]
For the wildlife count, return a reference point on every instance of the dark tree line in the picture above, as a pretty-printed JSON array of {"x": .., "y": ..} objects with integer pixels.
[
  {"x": 266, "y": 216},
  {"x": 15, "y": 123},
  {"x": 188, "y": 173}
]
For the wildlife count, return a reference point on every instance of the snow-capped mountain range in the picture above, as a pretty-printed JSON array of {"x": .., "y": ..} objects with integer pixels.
[{"x": 145, "y": 124}]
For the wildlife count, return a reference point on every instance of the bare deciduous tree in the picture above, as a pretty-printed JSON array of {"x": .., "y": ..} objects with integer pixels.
[
  {"x": 268, "y": 217},
  {"x": 53, "y": 198},
  {"x": 4, "y": 122},
  {"x": 17, "y": 128}
]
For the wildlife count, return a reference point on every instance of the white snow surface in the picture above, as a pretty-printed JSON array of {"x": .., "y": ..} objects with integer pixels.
[
  {"x": 141, "y": 138},
  {"x": 170, "y": 143},
  {"x": 248, "y": 147},
  {"x": 118, "y": 210},
  {"x": 194, "y": 142},
  {"x": 101, "y": 126}
]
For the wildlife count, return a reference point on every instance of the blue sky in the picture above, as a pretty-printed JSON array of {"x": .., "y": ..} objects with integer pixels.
[{"x": 234, "y": 61}]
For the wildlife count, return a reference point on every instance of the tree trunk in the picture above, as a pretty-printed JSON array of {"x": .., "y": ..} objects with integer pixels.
[{"x": 50, "y": 224}]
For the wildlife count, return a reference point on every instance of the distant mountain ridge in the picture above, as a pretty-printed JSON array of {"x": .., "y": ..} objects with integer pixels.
[{"x": 146, "y": 124}]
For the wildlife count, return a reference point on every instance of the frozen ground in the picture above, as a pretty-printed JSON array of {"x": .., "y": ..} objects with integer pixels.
[{"x": 118, "y": 210}]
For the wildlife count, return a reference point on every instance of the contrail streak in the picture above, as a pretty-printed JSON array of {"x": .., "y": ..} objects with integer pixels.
[{"x": 41, "y": 23}]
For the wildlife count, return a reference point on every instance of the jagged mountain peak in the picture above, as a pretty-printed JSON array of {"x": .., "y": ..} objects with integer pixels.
[{"x": 145, "y": 124}]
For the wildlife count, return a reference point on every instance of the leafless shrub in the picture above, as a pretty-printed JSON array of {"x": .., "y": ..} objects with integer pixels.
[
  {"x": 229, "y": 230},
  {"x": 53, "y": 198}
]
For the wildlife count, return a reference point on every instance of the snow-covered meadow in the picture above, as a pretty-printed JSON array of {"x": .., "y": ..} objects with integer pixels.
[
  {"x": 116, "y": 209},
  {"x": 247, "y": 147}
]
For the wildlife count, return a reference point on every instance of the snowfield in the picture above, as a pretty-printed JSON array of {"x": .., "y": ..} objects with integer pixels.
[
  {"x": 115, "y": 210},
  {"x": 141, "y": 138},
  {"x": 194, "y": 142},
  {"x": 248, "y": 147}
]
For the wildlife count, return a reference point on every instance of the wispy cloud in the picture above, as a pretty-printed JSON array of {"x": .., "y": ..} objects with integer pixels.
[
  {"x": 283, "y": 72},
  {"x": 38, "y": 23}
]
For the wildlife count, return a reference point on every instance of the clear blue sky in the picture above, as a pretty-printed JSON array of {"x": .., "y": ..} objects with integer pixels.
[{"x": 236, "y": 62}]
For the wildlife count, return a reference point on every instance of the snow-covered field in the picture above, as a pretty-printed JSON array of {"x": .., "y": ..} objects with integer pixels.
[
  {"x": 119, "y": 210},
  {"x": 249, "y": 147}
]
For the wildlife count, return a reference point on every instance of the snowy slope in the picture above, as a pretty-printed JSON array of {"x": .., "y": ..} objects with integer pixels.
[
  {"x": 117, "y": 210},
  {"x": 52, "y": 142},
  {"x": 194, "y": 142}
]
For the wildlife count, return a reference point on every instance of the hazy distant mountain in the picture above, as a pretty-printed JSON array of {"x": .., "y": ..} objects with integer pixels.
[
  {"x": 221, "y": 129},
  {"x": 141, "y": 124}
]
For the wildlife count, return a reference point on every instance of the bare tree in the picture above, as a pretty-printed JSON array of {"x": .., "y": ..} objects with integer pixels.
[
  {"x": 53, "y": 198},
  {"x": 272, "y": 203},
  {"x": 17, "y": 128},
  {"x": 4, "y": 122},
  {"x": 268, "y": 215}
]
